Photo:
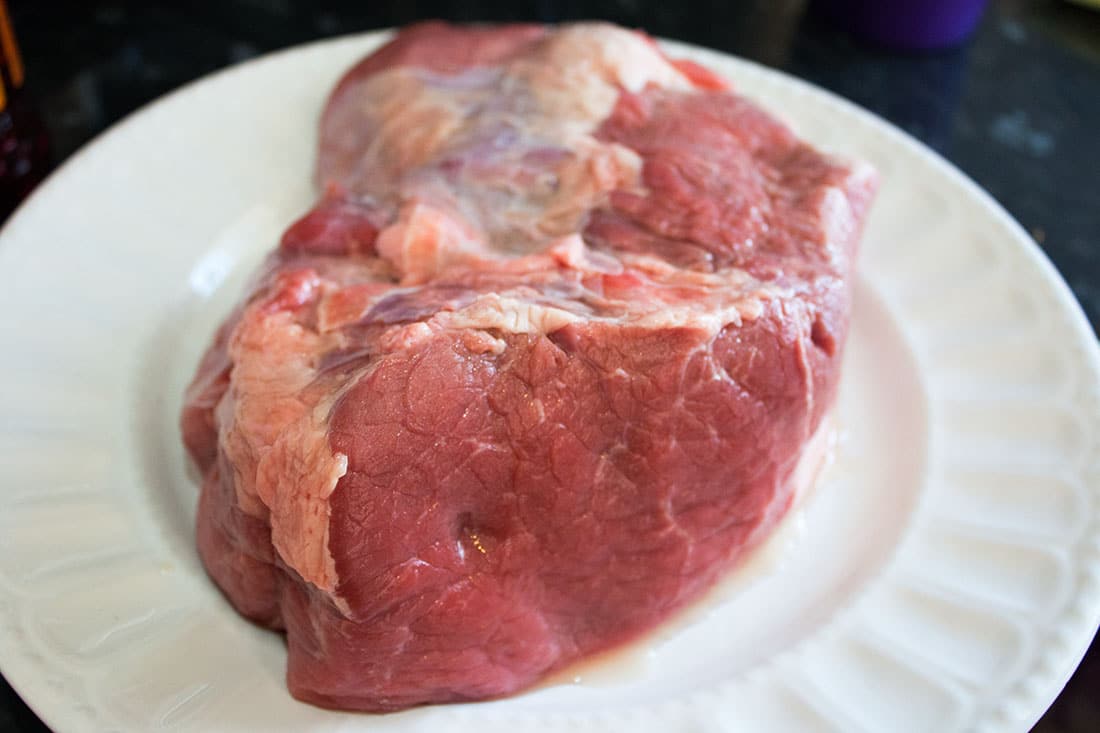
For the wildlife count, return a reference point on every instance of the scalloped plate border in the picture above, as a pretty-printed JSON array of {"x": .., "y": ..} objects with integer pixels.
[{"x": 1009, "y": 363}]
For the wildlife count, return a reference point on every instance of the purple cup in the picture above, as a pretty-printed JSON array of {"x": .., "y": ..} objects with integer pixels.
[{"x": 905, "y": 24}]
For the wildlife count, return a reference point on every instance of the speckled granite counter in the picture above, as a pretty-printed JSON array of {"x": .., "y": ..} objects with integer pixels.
[{"x": 1017, "y": 108}]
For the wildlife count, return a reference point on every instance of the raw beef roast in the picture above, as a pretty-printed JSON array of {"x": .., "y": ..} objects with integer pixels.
[{"x": 536, "y": 370}]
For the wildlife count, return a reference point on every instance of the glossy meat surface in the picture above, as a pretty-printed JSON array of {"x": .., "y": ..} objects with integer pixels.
[{"x": 536, "y": 370}]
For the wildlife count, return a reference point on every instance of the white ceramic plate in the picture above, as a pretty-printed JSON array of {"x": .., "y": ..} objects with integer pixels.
[{"x": 947, "y": 576}]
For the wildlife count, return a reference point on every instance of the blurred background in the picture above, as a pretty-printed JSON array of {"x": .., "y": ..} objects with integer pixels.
[{"x": 1009, "y": 91}]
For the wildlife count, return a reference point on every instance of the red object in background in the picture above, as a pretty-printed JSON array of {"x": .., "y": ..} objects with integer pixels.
[{"x": 24, "y": 143}]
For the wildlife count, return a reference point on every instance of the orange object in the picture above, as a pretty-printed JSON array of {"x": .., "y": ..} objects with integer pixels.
[
  {"x": 13, "y": 63},
  {"x": 24, "y": 144}
]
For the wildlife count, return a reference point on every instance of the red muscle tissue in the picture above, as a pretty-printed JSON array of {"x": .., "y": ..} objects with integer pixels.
[{"x": 538, "y": 368}]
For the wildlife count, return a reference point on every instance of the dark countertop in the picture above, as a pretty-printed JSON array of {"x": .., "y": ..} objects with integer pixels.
[{"x": 1017, "y": 108}]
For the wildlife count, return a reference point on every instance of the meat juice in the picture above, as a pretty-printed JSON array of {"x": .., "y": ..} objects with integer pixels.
[{"x": 635, "y": 660}]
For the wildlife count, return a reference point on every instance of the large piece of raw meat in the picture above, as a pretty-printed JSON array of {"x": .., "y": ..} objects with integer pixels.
[{"x": 536, "y": 370}]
